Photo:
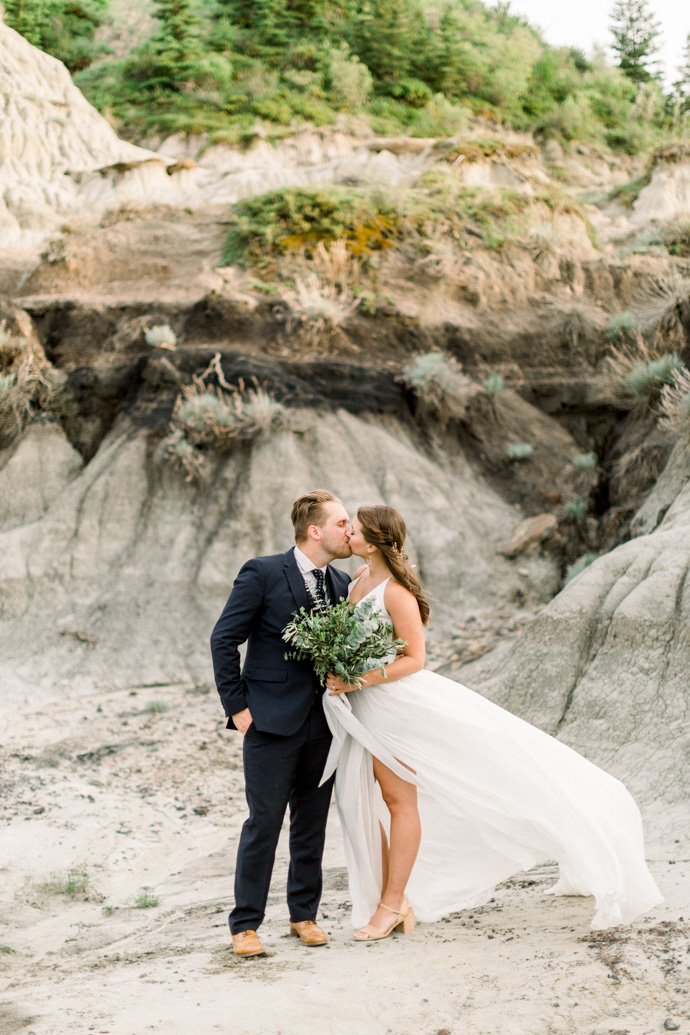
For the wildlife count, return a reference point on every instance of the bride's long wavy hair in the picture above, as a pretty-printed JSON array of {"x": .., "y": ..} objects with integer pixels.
[{"x": 384, "y": 528}]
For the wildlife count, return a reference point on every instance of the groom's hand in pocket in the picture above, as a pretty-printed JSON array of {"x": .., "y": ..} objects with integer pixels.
[{"x": 243, "y": 720}]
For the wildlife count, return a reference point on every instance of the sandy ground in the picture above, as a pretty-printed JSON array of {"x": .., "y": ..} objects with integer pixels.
[{"x": 151, "y": 801}]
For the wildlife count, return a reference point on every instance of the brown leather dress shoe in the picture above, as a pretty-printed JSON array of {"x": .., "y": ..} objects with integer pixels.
[
  {"x": 308, "y": 932},
  {"x": 247, "y": 943}
]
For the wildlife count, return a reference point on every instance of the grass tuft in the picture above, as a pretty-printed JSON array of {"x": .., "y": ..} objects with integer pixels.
[
  {"x": 585, "y": 461},
  {"x": 156, "y": 707},
  {"x": 73, "y": 882}
]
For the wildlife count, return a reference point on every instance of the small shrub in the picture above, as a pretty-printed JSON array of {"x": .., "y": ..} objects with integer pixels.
[
  {"x": 677, "y": 239},
  {"x": 543, "y": 241},
  {"x": 295, "y": 218},
  {"x": 621, "y": 327},
  {"x": 674, "y": 405},
  {"x": 156, "y": 707},
  {"x": 144, "y": 900},
  {"x": 660, "y": 305},
  {"x": 162, "y": 336},
  {"x": 6, "y": 950},
  {"x": 207, "y": 419},
  {"x": 441, "y": 386},
  {"x": 576, "y": 508},
  {"x": 585, "y": 461},
  {"x": 74, "y": 882},
  {"x": 184, "y": 456},
  {"x": 319, "y": 306},
  {"x": 573, "y": 570},
  {"x": 646, "y": 379},
  {"x": 494, "y": 384},
  {"x": 28, "y": 384},
  {"x": 519, "y": 450},
  {"x": 578, "y": 322}
]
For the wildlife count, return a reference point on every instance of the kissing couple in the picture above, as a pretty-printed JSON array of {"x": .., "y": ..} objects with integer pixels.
[{"x": 441, "y": 794}]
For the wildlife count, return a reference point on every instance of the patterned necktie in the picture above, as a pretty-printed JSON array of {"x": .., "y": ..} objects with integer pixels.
[{"x": 320, "y": 592}]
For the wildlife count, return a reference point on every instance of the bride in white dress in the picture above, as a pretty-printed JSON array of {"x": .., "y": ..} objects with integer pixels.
[{"x": 442, "y": 794}]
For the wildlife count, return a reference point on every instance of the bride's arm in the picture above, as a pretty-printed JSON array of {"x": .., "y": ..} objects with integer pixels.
[{"x": 407, "y": 624}]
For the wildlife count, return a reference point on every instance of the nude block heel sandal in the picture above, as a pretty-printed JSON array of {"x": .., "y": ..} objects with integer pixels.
[{"x": 404, "y": 922}]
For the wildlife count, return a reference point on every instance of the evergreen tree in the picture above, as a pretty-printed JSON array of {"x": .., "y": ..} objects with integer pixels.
[
  {"x": 27, "y": 17},
  {"x": 682, "y": 83},
  {"x": 388, "y": 36},
  {"x": 635, "y": 33},
  {"x": 168, "y": 60}
]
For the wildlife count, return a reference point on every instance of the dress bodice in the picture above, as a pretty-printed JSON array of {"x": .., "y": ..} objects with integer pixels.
[{"x": 377, "y": 594}]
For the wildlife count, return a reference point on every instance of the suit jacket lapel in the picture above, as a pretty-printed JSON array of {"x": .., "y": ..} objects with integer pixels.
[
  {"x": 334, "y": 593},
  {"x": 295, "y": 580}
]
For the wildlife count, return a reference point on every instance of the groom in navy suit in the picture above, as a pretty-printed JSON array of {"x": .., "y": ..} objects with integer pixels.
[{"x": 276, "y": 705}]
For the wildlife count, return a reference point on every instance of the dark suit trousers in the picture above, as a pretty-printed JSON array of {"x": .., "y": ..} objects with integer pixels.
[{"x": 279, "y": 771}]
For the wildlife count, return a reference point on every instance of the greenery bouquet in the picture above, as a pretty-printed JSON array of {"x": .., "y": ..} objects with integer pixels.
[{"x": 341, "y": 639}]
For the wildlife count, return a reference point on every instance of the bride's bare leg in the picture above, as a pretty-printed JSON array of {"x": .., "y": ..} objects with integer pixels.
[
  {"x": 384, "y": 856},
  {"x": 401, "y": 799}
]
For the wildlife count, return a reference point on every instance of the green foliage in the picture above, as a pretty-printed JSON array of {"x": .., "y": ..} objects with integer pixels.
[
  {"x": 63, "y": 28},
  {"x": 156, "y": 708},
  {"x": 628, "y": 193},
  {"x": 494, "y": 384},
  {"x": 7, "y": 950},
  {"x": 621, "y": 326},
  {"x": 440, "y": 385},
  {"x": 145, "y": 900},
  {"x": 585, "y": 461},
  {"x": 299, "y": 217},
  {"x": 576, "y": 508},
  {"x": 342, "y": 639},
  {"x": 635, "y": 33},
  {"x": 575, "y": 569},
  {"x": 519, "y": 450},
  {"x": 646, "y": 379},
  {"x": 73, "y": 882}
]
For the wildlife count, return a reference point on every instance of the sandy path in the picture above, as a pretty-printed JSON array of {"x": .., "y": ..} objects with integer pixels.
[{"x": 152, "y": 801}]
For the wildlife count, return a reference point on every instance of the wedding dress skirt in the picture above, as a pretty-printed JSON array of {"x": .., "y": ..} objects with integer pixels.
[{"x": 495, "y": 794}]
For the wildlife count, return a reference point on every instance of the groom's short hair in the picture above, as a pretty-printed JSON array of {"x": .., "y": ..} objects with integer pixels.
[{"x": 308, "y": 510}]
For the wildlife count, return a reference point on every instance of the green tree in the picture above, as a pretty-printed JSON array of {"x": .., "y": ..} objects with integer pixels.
[
  {"x": 635, "y": 33},
  {"x": 389, "y": 37},
  {"x": 27, "y": 17},
  {"x": 170, "y": 57},
  {"x": 682, "y": 83},
  {"x": 63, "y": 28}
]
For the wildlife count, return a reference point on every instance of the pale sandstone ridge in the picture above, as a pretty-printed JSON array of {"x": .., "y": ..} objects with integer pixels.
[
  {"x": 666, "y": 198},
  {"x": 605, "y": 666},
  {"x": 125, "y": 570},
  {"x": 53, "y": 144}
]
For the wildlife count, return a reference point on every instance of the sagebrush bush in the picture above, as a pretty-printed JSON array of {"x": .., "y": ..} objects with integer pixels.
[
  {"x": 674, "y": 405},
  {"x": 646, "y": 379},
  {"x": 162, "y": 336},
  {"x": 444, "y": 391},
  {"x": 585, "y": 461},
  {"x": 621, "y": 327},
  {"x": 576, "y": 508},
  {"x": 519, "y": 450},
  {"x": 494, "y": 384},
  {"x": 578, "y": 322},
  {"x": 211, "y": 420}
]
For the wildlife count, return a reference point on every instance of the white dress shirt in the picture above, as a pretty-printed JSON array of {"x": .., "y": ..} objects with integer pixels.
[{"x": 307, "y": 568}]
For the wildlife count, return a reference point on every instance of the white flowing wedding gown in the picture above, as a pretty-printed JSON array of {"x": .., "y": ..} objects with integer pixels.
[{"x": 496, "y": 796}]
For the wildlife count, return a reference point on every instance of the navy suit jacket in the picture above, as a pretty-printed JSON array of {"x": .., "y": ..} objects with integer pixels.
[{"x": 278, "y": 692}]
